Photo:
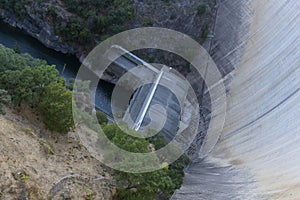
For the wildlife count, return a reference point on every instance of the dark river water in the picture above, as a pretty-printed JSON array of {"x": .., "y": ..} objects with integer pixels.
[{"x": 10, "y": 37}]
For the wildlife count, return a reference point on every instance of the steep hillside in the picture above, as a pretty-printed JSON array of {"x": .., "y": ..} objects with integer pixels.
[
  {"x": 76, "y": 26},
  {"x": 37, "y": 164}
]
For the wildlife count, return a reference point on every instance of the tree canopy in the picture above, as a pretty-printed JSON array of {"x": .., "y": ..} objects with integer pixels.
[
  {"x": 33, "y": 82},
  {"x": 27, "y": 85},
  {"x": 4, "y": 98},
  {"x": 145, "y": 186},
  {"x": 56, "y": 107},
  {"x": 10, "y": 60}
]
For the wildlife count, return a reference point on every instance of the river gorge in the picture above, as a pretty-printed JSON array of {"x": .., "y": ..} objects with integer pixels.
[{"x": 67, "y": 65}]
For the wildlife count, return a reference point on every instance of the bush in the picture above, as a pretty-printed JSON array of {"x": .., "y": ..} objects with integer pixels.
[
  {"x": 143, "y": 185},
  {"x": 147, "y": 21},
  {"x": 105, "y": 17},
  {"x": 205, "y": 32},
  {"x": 27, "y": 85},
  {"x": 31, "y": 81},
  {"x": 175, "y": 171},
  {"x": 56, "y": 107},
  {"x": 4, "y": 98},
  {"x": 136, "y": 185},
  {"x": 10, "y": 60},
  {"x": 17, "y": 48},
  {"x": 201, "y": 9},
  {"x": 102, "y": 119}
]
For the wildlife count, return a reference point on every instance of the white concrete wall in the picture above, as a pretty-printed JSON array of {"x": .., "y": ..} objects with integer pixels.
[{"x": 258, "y": 154}]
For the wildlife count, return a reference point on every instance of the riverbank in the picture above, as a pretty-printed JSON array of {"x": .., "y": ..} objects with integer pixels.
[{"x": 35, "y": 26}]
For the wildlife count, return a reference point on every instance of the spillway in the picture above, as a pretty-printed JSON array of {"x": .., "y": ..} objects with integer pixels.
[{"x": 257, "y": 155}]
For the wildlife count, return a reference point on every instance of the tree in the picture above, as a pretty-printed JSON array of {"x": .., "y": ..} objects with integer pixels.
[
  {"x": 17, "y": 48},
  {"x": 9, "y": 60},
  {"x": 145, "y": 186},
  {"x": 56, "y": 107},
  {"x": 37, "y": 84},
  {"x": 85, "y": 36},
  {"x": 4, "y": 98},
  {"x": 102, "y": 119},
  {"x": 201, "y": 9},
  {"x": 136, "y": 185},
  {"x": 70, "y": 84},
  {"x": 175, "y": 171},
  {"x": 27, "y": 85}
]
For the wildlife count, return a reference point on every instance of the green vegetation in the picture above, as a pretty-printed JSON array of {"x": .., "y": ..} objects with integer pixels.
[
  {"x": 99, "y": 18},
  {"x": 10, "y": 60},
  {"x": 17, "y": 48},
  {"x": 175, "y": 169},
  {"x": 205, "y": 32},
  {"x": 48, "y": 148},
  {"x": 90, "y": 19},
  {"x": 102, "y": 119},
  {"x": 151, "y": 185},
  {"x": 201, "y": 9},
  {"x": 56, "y": 107},
  {"x": 90, "y": 194},
  {"x": 15, "y": 6},
  {"x": 74, "y": 31},
  {"x": 4, "y": 99},
  {"x": 27, "y": 85},
  {"x": 25, "y": 176},
  {"x": 147, "y": 21},
  {"x": 34, "y": 83},
  {"x": 31, "y": 81}
]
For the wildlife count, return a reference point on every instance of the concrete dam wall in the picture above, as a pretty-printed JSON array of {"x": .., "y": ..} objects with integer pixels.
[{"x": 257, "y": 155}]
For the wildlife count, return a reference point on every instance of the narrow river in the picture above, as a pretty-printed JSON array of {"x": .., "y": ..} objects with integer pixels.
[{"x": 10, "y": 37}]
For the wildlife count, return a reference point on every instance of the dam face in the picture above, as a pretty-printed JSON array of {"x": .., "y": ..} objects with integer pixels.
[{"x": 257, "y": 155}]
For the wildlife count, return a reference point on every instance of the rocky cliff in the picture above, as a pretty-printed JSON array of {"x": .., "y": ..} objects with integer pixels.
[
  {"x": 190, "y": 17},
  {"x": 37, "y": 24}
]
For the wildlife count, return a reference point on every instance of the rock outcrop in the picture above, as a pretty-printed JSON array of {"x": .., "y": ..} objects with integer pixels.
[
  {"x": 181, "y": 15},
  {"x": 35, "y": 23}
]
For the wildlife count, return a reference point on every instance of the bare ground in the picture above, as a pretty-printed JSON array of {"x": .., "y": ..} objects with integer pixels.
[{"x": 38, "y": 164}]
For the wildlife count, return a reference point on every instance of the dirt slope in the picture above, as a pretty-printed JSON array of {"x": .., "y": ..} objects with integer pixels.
[{"x": 37, "y": 164}]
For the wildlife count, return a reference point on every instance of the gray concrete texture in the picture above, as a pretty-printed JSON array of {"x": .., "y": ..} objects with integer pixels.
[
  {"x": 166, "y": 103},
  {"x": 257, "y": 154}
]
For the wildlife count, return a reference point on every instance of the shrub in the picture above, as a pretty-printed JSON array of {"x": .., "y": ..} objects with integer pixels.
[
  {"x": 147, "y": 21},
  {"x": 105, "y": 17},
  {"x": 175, "y": 171},
  {"x": 205, "y": 32},
  {"x": 10, "y": 60},
  {"x": 27, "y": 85},
  {"x": 136, "y": 185},
  {"x": 56, "y": 107},
  {"x": 143, "y": 185},
  {"x": 30, "y": 81},
  {"x": 102, "y": 119},
  {"x": 201, "y": 9},
  {"x": 4, "y": 98}
]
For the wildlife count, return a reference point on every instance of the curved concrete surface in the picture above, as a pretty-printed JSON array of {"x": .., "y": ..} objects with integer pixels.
[{"x": 258, "y": 153}]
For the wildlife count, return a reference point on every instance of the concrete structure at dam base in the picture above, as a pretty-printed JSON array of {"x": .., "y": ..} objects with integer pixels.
[{"x": 256, "y": 47}]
